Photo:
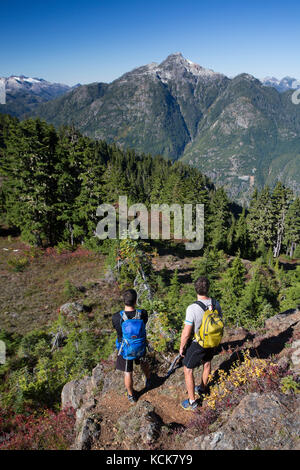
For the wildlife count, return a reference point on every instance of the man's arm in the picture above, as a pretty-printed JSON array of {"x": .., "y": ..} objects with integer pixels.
[
  {"x": 117, "y": 324},
  {"x": 185, "y": 335},
  {"x": 145, "y": 316}
]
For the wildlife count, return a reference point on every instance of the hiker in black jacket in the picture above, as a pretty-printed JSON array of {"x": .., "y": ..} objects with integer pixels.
[{"x": 126, "y": 365}]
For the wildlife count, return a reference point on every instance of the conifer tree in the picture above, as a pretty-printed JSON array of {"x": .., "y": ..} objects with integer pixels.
[
  {"x": 280, "y": 199},
  {"x": 70, "y": 152},
  {"x": 30, "y": 189},
  {"x": 91, "y": 195},
  {"x": 261, "y": 219},
  {"x": 218, "y": 220},
  {"x": 173, "y": 295},
  {"x": 292, "y": 228},
  {"x": 232, "y": 287},
  {"x": 241, "y": 236},
  {"x": 254, "y": 305}
]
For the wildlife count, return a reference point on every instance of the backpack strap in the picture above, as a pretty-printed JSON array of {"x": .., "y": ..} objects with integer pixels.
[
  {"x": 201, "y": 304},
  {"x": 204, "y": 307},
  {"x": 137, "y": 316},
  {"x": 123, "y": 315}
]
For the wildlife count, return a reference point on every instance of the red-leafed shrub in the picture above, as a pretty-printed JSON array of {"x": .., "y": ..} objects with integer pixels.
[{"x": 48, "y": 431}]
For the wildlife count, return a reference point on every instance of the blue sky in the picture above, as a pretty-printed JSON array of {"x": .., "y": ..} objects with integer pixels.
[{"x": 87, "y": 41}]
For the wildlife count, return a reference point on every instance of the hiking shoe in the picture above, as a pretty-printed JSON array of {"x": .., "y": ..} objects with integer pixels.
[
  {"x": 199, "y": 390},
  {"x": 131, "y": 398},
  {"x": 187, "y": 406}
]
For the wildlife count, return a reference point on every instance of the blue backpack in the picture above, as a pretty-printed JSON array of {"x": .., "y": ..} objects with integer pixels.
[{"x": 133, "y": 345}]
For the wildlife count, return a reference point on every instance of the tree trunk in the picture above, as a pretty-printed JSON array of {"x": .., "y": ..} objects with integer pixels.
[
  {"x": 292, "y": 249},
  {"x": 280, "y": 231}
]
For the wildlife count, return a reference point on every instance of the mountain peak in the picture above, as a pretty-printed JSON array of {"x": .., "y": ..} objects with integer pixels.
[
  {"x": 178, "y": 63},
  {"x": 175, "y": 58},
  {"x": 174, "y": 55},
  {"x": 175, "y": 66}
]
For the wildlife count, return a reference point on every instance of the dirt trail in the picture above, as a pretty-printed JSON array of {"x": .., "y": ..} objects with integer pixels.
[{"x": 165, "y": 398}]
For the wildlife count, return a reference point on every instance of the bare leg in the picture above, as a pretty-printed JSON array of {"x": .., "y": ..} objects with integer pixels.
[
  {"x": 190, "y": 382},
  {"x": 128, "y": 380},
  {"x": 205, "y": 374}
]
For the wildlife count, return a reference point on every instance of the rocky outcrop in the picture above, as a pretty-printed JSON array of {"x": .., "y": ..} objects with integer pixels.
[
  {"x": 140, "y": 427},
  {"x": 88, "y": 431},
  {"x": 80, "y": 394},
  {"x": 295, "y": 355},
  {"x": 74, "y": 392},
  {"x": 72, "y": 309},
  {"x": 283, "y": 321},
  {"x": 258, "y": 422}
]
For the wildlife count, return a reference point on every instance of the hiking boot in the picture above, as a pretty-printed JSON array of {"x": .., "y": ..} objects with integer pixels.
[
  {"x": 186, "y": 405},
  {"x": 199, "y": 390},
  {"x": 131, "y": 398}
]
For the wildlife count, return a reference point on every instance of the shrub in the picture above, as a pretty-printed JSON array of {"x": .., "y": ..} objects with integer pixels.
[
  {"x": 228, "y": 388},
  {"x": 250, "y": 375},
  {"x": 18, "y": 263},
  {"x": 64, "y": 246},
  {"x": 288, "y": 384},
  {"x": 49, "y": 431},
  {"x": 70, "y": 292}
]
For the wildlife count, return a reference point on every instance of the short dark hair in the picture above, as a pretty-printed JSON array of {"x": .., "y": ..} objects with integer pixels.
[
  {"x": 130, "y": 297},
  {"x": 202, "y": 285}
]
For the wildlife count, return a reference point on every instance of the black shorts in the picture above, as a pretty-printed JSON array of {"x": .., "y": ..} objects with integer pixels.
[
  {"x": 126, "y": 365},
  {"x": 195, "y": 355}
]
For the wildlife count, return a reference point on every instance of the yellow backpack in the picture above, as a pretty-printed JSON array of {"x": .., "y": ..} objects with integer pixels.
[{"x": 211, "y": 329}]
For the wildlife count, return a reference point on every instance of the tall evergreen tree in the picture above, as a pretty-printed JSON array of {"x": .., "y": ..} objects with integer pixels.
[
  {"x": 292, "y": 228},
  {"x": 280, "y": 199},
  {"x": 242, "y": 241},
  {"x": 218, "y": 220},
  {"x": 30, "y": 189},
  {"x": 232, "y": 287},
  {"x": 261, "y": 219}
]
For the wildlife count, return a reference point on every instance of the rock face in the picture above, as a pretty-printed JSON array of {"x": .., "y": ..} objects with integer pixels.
[
  {"x": 258, "y": 422},
  {"x": 282, "y": 321},
  {"x": 88, "y": 432},
  {"x": 140, "y": 426},
  {"x": 295, "y": 357},
  {"x": 74, "y": 392},
  {"x": 79, "y": 394}
]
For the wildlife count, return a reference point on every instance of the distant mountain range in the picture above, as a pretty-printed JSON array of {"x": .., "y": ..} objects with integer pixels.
[
  {"x": 24, "y": 93},
  {"x": 241, "y": 132},
  {"x": 286, "y": 83}
]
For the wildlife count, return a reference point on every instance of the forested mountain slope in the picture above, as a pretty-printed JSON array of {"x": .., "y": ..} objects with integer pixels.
[{"x": 238, "y": 131}]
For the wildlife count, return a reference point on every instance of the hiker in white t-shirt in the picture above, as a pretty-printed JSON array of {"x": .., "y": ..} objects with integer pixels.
[{"x": 194, "y": 354}]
